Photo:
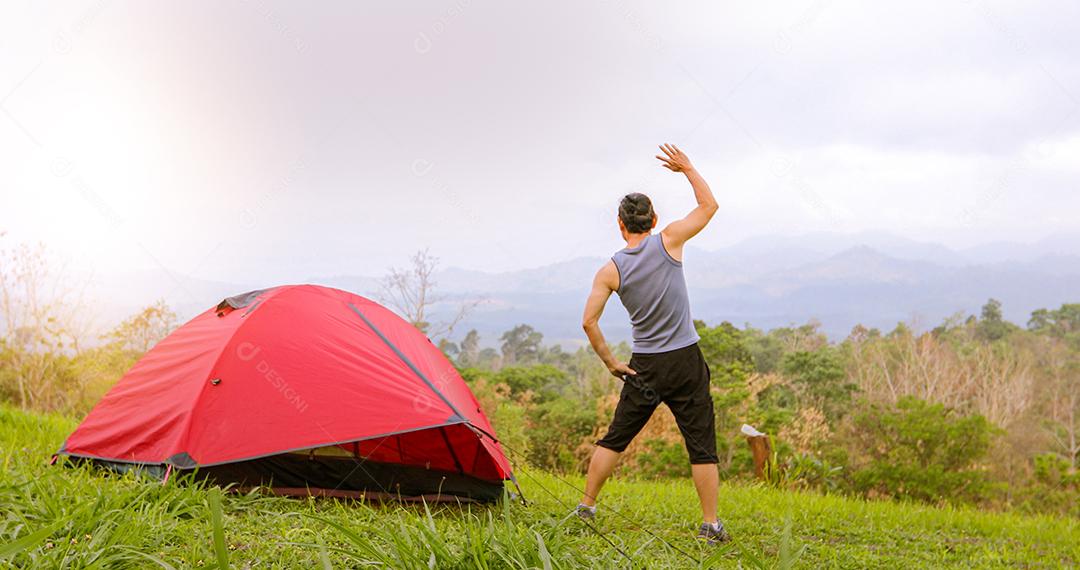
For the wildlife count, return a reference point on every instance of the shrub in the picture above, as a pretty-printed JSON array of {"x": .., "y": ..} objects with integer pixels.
[
  {"x": 1055, "y": 488},
  {"x": 663, "y": 458},
  {"x": 555, "y": 430},
  {"x": 821, "y": 379},
  {"x": 543, "y": 380},
  {"x": 921, "y": 451}
]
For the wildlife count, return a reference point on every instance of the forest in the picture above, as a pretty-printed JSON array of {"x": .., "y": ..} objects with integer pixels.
[{"x": 977, "y": 410}]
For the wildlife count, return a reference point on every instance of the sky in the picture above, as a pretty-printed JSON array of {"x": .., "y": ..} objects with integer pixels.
[{"x": 262, "y": 142}]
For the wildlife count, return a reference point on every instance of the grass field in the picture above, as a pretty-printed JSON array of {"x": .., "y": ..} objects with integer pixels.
[{"x": 52, "y": 517}]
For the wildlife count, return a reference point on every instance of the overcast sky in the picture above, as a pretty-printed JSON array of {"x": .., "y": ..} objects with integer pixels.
[{"x": 262, "y": 142}]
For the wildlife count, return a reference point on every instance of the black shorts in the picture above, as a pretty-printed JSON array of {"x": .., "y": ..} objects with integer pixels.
[{"x": 680, "y": 379}]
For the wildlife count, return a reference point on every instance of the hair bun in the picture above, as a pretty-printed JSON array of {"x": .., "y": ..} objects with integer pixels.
[{"x": 636, "y": 213}]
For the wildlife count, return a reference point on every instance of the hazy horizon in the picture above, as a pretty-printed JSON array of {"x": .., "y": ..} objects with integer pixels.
[{"x": 269, "y": 142}]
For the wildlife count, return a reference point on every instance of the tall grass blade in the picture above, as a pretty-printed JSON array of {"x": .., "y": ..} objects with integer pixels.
[
  {"x": 152, "y": 558},
  {"x": 545, "y": 556},
  {"x": 787, "y": 557},
  {"x": 324, "y": 558},
  {"x": 29, "y": 541},
  {"x": 220, "y": 550}
]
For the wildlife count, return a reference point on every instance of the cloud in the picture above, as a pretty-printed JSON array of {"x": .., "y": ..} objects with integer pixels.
[{"x": 269, "y": 141}]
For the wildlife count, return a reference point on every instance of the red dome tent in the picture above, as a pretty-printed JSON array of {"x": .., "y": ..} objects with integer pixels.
[{"x": 305, "y": 389}]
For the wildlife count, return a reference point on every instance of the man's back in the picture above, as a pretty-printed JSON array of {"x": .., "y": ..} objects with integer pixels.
[{"x": 653, "y": 290}]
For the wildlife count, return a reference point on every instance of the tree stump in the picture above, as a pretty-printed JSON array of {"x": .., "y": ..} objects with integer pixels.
[{"x": 760, "y": 448}]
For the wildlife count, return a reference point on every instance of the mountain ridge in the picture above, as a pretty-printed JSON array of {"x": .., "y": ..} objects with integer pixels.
[{"x": 874, "y": 278}]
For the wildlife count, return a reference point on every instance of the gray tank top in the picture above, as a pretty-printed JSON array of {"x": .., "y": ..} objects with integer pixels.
[{"x": 653, "y": 290}]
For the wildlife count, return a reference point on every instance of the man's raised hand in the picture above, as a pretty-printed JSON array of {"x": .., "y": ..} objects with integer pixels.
[
  {"x": 677, "y": 232},
  {"x": 675, "y": 159}
]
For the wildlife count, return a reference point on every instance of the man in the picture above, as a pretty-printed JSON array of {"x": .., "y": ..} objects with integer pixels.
[{"x": 667, "y": 365}]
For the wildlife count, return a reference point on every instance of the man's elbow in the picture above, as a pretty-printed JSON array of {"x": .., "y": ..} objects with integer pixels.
[{"x": 710, "y": 208}]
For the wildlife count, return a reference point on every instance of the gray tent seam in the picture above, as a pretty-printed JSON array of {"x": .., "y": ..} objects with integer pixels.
[{"x": 409, "y": 363}]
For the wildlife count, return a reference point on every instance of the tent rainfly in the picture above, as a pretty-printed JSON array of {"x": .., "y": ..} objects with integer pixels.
[{"x": 303, "y": 389}]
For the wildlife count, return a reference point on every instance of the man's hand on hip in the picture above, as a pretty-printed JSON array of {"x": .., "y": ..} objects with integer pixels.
[{"x": 620, "y": 369}]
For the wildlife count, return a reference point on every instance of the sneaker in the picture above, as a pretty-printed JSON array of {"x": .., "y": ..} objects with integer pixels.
[
  {"x": 713, "y": 533},
  {"x": 585, "y": 512}
]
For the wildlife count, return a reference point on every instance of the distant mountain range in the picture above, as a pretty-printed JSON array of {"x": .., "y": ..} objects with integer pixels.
[{"x": 840, "y": 280}]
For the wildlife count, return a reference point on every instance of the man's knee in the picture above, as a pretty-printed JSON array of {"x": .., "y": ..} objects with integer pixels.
[
  {"x": 701, "y": 448},
  {"x": 613, "y": 446}
]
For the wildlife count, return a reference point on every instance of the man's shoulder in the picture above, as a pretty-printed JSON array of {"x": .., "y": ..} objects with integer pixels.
[
  {"x": 608, "y": 268},
  {"x": 609, "y": 274}
]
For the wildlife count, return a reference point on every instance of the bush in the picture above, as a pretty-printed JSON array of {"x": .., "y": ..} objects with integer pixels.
[
  {"x": 921, "y": 451},
  {"x": 55, "y": 381},
  {"x": 663, "y": 459},
  {"x": 555, "y": 430},
  {"x": 1055, "y": 489},
  {"x": 543, "y": 380}
]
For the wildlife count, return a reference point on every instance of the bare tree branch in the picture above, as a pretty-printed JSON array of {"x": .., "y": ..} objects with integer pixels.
[{"x": 410, "y": 292}]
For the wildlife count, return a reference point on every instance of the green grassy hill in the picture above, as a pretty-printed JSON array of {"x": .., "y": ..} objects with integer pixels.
[{"x": 53, "y": 517}]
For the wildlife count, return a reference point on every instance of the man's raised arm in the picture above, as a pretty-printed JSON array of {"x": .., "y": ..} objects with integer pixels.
[
  {"x": 604, "y": 284},
  {"x": 678, "y": 232}
]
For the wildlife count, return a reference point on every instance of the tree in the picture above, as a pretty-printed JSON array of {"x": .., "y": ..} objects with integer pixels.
[
  {"x": 449, "y": 348},
  {"x": 821, "y": 379},
  {"x": 805, "y": 337},
  {"x": 958, "y": 370},
  {"x": 544, "y": 381},
  {"x": 141, "y": 331},
  {"x": 730, "y": 365},
  {"x": 520, "y": 345},
  {"x": 488, "y": 356},
  {"x": 1064, "y": 416},
  {"x": 725, "y": 349},
  {"x": 43, "y": 322},
  {"x": 1059, "y": 363},
  {"x": 469, "y": 355},
  {"x": 1061, "y": 323},
  {"x": 766, "y": 348},
  {"x": 411, "y": 293},
  {"x": 992, "y": 324}
]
